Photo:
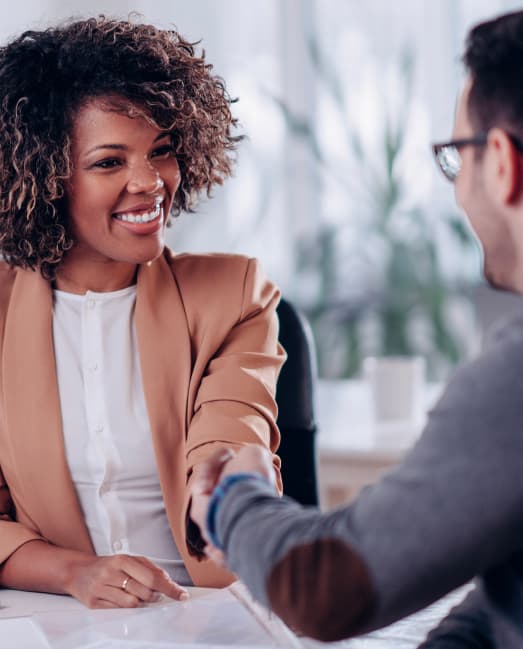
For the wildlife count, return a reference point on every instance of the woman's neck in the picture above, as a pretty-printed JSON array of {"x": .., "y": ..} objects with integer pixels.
[{"x": 75, "y": 276}]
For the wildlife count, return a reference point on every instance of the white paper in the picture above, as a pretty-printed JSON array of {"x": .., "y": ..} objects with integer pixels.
[
  {"x": 215, "y": 620},
  {"x": 22, "y": 633}
]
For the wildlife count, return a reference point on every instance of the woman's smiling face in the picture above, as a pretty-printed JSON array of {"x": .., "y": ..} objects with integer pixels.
[{"x": 125, "y": 175}]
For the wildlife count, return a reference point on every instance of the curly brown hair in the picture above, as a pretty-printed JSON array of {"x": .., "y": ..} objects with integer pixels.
[{"x": 46, "y": 76}]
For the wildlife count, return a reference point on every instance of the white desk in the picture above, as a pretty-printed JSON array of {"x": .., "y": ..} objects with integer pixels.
[
  {"x": 214, "y": 618},
  {"x": 352, "y": 450}
]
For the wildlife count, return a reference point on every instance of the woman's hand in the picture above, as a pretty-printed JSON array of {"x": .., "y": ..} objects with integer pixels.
[
  {"x": 251, "y": 458},
  {"x": 121, "y": 581},
  {"x": 205, "y": 477}
]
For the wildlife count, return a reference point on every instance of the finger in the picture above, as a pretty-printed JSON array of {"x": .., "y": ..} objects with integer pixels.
[
  {"x": 208, "y": 472},
  {"x": 110, "y": 597},
  {"x": 118, "y": 597},
  {"x": 149, "y": 574},
  {"x": 139, "y": 590},
  {"x": 102, "y": 603}
]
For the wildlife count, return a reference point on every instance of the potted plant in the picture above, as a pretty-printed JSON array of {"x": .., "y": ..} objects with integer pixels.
[{"x": 382, "y": 290}]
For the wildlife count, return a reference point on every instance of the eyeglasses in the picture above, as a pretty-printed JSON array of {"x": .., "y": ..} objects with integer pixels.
[{"x": 448, "y": 157}]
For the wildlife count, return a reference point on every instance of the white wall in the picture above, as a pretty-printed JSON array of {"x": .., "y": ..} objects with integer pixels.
[{"x": 259, "y": 47}]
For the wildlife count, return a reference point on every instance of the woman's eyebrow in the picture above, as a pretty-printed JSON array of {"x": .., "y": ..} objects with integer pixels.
[
  {"x": 118, "y": 147},
  {"x": 124, "y": 147},
  {"x": 161, "y": 135}
]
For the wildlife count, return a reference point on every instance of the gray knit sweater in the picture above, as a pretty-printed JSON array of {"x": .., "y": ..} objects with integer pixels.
[{"x": 452, "y": 511}]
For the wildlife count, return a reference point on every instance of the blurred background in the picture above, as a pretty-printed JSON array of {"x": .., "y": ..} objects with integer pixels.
[{"x": 336, "y": 190}]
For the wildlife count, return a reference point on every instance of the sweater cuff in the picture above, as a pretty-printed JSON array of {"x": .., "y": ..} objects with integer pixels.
[{"x": 217, "y": 497}]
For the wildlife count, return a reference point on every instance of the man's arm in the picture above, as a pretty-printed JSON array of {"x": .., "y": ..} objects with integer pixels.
[{"x": 452, "y": 509}]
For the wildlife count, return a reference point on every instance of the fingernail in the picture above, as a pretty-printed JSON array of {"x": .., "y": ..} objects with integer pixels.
[
  {"x": 184, "y": 596},
  {"x": 156, "y": 597}
]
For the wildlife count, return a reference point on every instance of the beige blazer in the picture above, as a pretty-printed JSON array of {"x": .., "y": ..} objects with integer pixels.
[{"x": 207, "y": 337}]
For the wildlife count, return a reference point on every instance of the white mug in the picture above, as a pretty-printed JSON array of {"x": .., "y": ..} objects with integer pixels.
[{"x": 397, "y": 385}]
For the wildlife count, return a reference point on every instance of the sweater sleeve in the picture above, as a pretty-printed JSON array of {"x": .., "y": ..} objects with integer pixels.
[
  {"x": 467, "y": 626},
  {"x": 452, "y": 509}
]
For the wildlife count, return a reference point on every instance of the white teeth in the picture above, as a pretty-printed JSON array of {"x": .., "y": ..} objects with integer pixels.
[{"x": 139, "y": 218}]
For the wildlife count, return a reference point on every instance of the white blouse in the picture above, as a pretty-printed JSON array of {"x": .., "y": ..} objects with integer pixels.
[{"x": 106, "y": 429}]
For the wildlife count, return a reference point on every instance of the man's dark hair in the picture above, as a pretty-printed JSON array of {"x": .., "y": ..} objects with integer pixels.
[
  {"x": 47, "y": 76},
  {"x": 494, "y": 58}
]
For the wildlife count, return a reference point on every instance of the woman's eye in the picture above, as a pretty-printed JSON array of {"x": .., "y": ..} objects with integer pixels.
[
  {"x": 163, "y": 151},
  {"x": 107, "y": 163}
]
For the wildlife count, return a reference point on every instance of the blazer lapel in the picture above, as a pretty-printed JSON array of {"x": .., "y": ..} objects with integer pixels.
[
  {"x": 164, "y": 343},
  {"x": 165, "y": 360},
  {"x": 33, "y": 418}
]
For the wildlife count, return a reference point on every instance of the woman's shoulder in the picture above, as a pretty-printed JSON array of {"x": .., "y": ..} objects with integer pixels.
[
  {"x": 211, "y": 272},
  {"x": 220, "y": 262},
  {"x": 220, "y": 280}
]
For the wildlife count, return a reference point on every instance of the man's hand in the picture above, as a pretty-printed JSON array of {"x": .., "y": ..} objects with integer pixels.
[
  {"x": 224, "y": 462},
  {"x": 205, "y": 477},
  {"x": 251, "y": 459}
]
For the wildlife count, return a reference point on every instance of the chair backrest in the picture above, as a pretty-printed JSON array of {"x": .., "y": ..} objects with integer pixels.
[{"x": 295, "y": 398}]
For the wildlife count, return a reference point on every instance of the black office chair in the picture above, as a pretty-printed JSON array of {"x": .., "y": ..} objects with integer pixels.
[{"x": 294, "y": 395}]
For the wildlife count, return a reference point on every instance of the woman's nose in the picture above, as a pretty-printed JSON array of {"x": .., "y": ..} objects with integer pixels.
[{"x": 144, "y": 179}]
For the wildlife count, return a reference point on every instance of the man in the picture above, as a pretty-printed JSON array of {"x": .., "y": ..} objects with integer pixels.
[{"x": 453, "y": 510}]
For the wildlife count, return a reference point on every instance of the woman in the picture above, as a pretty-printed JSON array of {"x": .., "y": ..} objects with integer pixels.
[{"x": 122, "y": 363}]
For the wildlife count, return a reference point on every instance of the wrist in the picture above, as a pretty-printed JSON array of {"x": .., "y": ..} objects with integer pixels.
[
  {"x": 72, "y": 563},
  {"x": 217, "y": 497}
]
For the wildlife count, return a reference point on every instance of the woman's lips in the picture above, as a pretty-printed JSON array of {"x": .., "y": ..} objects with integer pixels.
[
  {"x": 141, "y": 223},
  {"x": 139, "y": 215}
]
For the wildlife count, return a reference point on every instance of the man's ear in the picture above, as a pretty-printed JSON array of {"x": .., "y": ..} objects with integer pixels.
[{"x": 502, "y": 165}]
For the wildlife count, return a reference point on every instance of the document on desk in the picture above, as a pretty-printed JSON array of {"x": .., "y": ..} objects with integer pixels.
[{"x": 218, "y": 620}]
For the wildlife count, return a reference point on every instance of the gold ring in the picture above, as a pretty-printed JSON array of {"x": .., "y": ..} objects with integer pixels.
[{"x": 125, "y": 582}]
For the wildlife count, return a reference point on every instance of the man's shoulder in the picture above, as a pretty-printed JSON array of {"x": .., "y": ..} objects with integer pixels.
[
  {"x": 506, "y": 332},
  {"x": 490, "y": 382}
]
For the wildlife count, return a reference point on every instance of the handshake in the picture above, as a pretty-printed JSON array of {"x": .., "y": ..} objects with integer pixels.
[{"x": 224, "y": 462}]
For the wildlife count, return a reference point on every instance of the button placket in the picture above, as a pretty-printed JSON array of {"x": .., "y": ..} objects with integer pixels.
[
  {"x": 95, "y": 402},
  {"x": 92, "y": 354},
  {"x": 98, "y": 315}
]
